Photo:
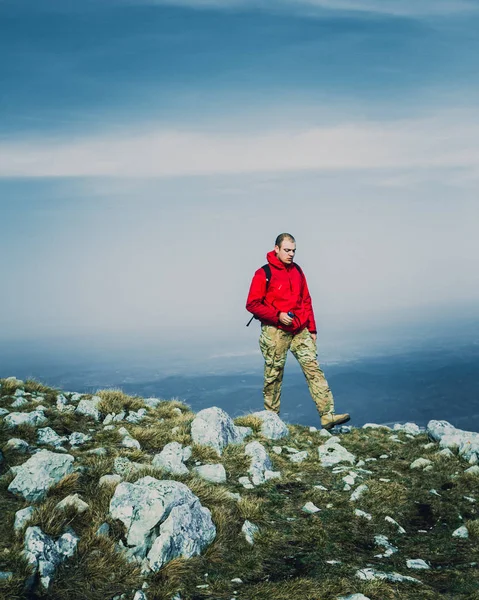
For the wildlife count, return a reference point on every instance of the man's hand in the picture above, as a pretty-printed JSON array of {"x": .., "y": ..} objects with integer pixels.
[
  {"x": 284, "y": 319},
  {"x": 314, "y": 336}
]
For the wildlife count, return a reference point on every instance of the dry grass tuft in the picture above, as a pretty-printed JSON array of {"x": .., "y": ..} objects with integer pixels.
[
  {"x": 473, "y": 528},
  {"x": 114, "y": 400},
  {"x": 384, "y": 498},
  {"x": 204, "y": 454},
  {"x": 252, "y": 509},
  {"x": 249, "y": 421},
  {"x": 70, "y": 484}
]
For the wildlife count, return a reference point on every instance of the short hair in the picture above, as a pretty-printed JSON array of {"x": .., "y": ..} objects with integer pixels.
[{"x": 284, "y": 236}]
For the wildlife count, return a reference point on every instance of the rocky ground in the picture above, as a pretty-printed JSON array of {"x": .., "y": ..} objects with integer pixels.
[{"x": 110, "y": 496}]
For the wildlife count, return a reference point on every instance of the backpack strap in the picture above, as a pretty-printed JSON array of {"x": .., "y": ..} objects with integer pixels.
[{"x": 267, "y": 271}]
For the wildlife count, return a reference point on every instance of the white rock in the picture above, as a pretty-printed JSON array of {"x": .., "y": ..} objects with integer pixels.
[
  {"x": 78, "y": 439},
  {"x": 466, "y": 442},
  {"x": 461, "y": 532},
  {"x": 324, "y": 433},
  {"x": 358, "y": 492},
  {"x": 375, "y": 426},
  {"x": 3, "y": 412},
  {"x": 124, "y": 467},
  {"x": 320, "y": 487},
  {"x": 299, "y": 457},
  {"x": 163, "y": 519},
  {"x": 361, "y": 513},
  {"x": 249, "y": 531},
  {"x": 474, "y": 470},
  {"x": 17, "y": 445},
  {"x": 109, "y": 480},
  {"x": 136, "y": 417},
  {"x": 214, "y": 428},
  {"x": 331, "y": 453},
  {"x": 260, "y": 462},
  {"x": 39, "y": 473},
  {"x": 89, "y": 408},
  {"x": 19, "y": 402},
  {"x": 277, "y": 449},
  {"x": 382, "y": 540},
  {"x": 185, "y": 533},
  {"x": 22, "y": 517},
  {"x": 34, "y": 418},
  {"x": 420, "y": 463},
  {"x": 312, "y": 429},
  {"x": 446, "y": 453},
  {"x": 139, "y": 595},
  {"x": 47, "y": 435},
  {"x": 310, "y": 508},
  {"x": 273, "y": 428},
  {"x": 371, "y": 574},
  {"x": 171, "y": 458},
  {"x": 44, "y": 555},
  {"x": 152, "y": 402},
  {"x": 417, "y": 563},
  {"x": 354, "y": 597},
  {"x": 129, "y": 442},
  {"x": 410, "y": 428},
  {"x": 73, "y": 501},
  {"x": 213, "y": 473},
  {"x": 246, "y": 483}
]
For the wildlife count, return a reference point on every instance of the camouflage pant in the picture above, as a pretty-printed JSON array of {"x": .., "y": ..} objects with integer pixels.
[{"x": 274, "y": 344}]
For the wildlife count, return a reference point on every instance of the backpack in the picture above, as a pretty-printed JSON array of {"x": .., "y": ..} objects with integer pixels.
[{"x": 267, "y": 271}]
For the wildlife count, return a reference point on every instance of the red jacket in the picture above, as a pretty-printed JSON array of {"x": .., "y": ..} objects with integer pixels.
[{"x": 287, "y": 291}]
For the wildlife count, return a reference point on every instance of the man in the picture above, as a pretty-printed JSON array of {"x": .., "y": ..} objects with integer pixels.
[{"x": 283, "y": 305}]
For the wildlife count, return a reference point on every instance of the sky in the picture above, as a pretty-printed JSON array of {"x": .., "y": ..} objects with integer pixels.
[{"x": 150, "y": 152}]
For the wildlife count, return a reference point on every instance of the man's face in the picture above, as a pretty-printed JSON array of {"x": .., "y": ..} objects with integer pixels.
[{"x": 286, "y": 252}]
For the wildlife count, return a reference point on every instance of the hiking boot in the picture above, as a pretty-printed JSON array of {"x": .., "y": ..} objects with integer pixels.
[{"x": 330, "y": 420}]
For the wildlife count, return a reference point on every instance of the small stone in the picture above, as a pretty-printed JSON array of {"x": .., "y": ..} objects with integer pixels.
[
  {"x": 17, "y": 445},
  {"x": 129, "y": 442},
  {"x": 89, "y": 408},
  {"x": 73, "y": 501},
  {"x": 104, "y": 530},
  {"x": 78, "y": 439},
  {"x": 461, "y": 532},
  {"x": 420, "y": 463},
  {"x": 249, "y": 530},
  {"x": 310, "y": 508},
  {"x": 246, "y": 483},
  {"x": 382, "y": 540},
  {"x": 474, "y": 470},
  {"x": 354, "y": 597},
  {"x": 384, "y": 456},
  {"x": 299, "y": 457},
  {"x": 22, "y": 517},
  {"x": 375, "y": 426},
  {"x": 312, "y": 429},
  {"x": 361, "y": 513},
  {"x": 277, "y": 449},
  {"x": 320, "y": 487},
  {"x": 358, "y": 492},
  {"x": 5, "y": 575},
  {"x": 236, "y": 580},
  {"x": 109, "y": 480},
  {"x": 213, "y": 473},
  {"x": 417, "y": 563}
]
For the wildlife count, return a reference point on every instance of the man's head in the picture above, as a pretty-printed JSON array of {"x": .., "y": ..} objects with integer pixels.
[{"x": 285, "y": 248}]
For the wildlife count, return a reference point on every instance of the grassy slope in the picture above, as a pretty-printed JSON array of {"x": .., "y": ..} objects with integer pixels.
[{"x": 288, "y": 559}]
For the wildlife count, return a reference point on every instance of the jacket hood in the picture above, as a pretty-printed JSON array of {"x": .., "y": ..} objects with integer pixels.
[{"x": 274, "y": 261}]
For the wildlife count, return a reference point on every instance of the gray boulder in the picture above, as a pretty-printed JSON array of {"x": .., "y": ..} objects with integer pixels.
[
  {"x": 171, "y": 458},
  {"x": 211, "y": 473},
  {"x": 22, "y": 517},
  {"x": 466, "y": 442},
  {"x": 89, "y": 408},
  {"x": 410, "y": 428},
  {"x": 164, "y": 520},
  {"x": 76, "y": 438},
  {"x": 39, "y": 473},
  {"x": 260, "y": 469},
  {"x": 331, "y": 453},
  {"x": 17, "y": 445},
  {"x": 48, "y": 436},
  {"x": 34, "y": 418},
  {"x": 214, "y": 428},
  {"x": 273, "y": 427},
  {"x": 44, "y": 554}
]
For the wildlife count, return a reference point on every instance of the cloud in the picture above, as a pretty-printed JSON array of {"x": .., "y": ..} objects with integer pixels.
[
  {"x": 388, "y": 7},
  {"x": 443, "y": 140}
]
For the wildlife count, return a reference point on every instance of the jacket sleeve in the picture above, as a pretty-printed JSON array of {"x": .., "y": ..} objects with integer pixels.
[
  {"x": 254, "y": 303},
  {"x": 311, "y": 323}
]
